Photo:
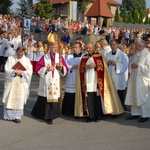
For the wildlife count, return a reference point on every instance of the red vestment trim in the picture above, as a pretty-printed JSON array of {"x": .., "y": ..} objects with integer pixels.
[
  {"x": 100, "y": 73},
  {"x": 100, "y": 77},
  {"x": 83, "y": 84}
]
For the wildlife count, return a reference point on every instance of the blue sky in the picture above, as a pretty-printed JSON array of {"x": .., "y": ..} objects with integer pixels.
[{"x": 120, "y": 1}]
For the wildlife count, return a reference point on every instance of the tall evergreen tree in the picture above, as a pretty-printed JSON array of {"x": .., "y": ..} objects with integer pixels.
[
  {"x": 146, "y": 19},
  {"x": 132, "y": 5},
  {"x": 25, "y": 8},
  {"x": 117, "y": 18},
  {"x": 130, "y": 19},
  {"x": 44, "y": 9},
  {"x": 82, "y": 5},
  {"x": 135, "y": 16},
  {"x": 5, "y": 6},
  {"x": 124, "y": 15},
  {"x": 141, "y": 16}
]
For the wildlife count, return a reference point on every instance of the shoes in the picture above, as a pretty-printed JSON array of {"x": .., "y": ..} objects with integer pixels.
[
  {"x": 17, "y": 120},
  {"x": 132, "y": 117},
  {"x": 141, "y": 120},
  {"x": 50, "y": 122},
  {"x": 97, "y": 119},
  {"x": 88, "y": 120}
]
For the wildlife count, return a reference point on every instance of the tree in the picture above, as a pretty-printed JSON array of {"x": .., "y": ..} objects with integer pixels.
[
  {"x": 109, "y": 6},
  {"x": 5, "y": 6},
  {"x": 147, "y": 19},
  {"x": 44, "y": 9},
  {"x": 124, "y": 15},
  {"x": 132, "y": 5},
  {"x": 130, "y": 19},
  {"x": 25, "y": 8},
  {"x": 82, "y": 5},
  {"x": 135, "y": 17},
  {"x": 117, "y": 18},
  {"x": 141, "y": 16}
]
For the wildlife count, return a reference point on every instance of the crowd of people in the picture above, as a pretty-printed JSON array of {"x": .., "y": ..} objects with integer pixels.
[{"x": 101, "y": 78}]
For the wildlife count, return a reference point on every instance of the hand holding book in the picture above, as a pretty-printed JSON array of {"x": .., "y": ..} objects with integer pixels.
[{"x": 19, "y": 66}]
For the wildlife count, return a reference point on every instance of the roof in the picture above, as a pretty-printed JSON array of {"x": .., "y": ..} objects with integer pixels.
[
  {"x": 99, "y": 8},
  {"x": 59, "y": 1},
  {"x": 148, "y": 10}
]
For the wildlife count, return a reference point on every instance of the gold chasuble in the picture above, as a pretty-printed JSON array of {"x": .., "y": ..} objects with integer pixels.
[{"x": 105, "y": 88}]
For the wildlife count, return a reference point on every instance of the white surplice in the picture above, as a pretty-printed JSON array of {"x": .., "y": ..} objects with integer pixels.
[
  {"x": 119, "y": 73},
  {"x": 16, "y": 89},
  {"x": 49, "y": 84},
  {"x": 138, "y": 89},
  {"x": 70, "y": 86}
]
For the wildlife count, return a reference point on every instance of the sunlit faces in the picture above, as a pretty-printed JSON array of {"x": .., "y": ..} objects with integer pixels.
[
  {"x": 148, "y": 47},
  {"x": 90, "y": 48},
  {"x": 77, "y": 48},
  {"x": 113, "y": 45},
  {"x": 20, "y": 54},
  {"x": 53, "y": 49}
]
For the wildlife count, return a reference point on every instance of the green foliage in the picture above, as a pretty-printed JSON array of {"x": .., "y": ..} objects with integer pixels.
[
  {"x": 124, "y": 15},
  {"x": 141, "y": 16},
  {"x": 130, "y": 19},
  {"x": 5, "y": 6},
  {"x": 132, "y": 5},
  {"x": 147, "y": 19},
  {"x": 44, "y": 9},
  {"x": 25, "y": 8},
  {"x": 117, "y": 18},
  {"x": 109, "y": 6},
  {"x": 82, "y": 5},
  {"x": 135, "y": 16}
]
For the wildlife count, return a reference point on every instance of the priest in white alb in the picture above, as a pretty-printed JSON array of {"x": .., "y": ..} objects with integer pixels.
[
  {"x": 118, "y": 62},
  {"x": 138, "y": 86},
  {"x": 72, "y": 61},
  {"x": 17, "y": 83}
]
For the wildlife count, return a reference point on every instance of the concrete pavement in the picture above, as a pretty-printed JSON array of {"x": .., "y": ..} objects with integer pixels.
[{"x": 70, "y": 134}]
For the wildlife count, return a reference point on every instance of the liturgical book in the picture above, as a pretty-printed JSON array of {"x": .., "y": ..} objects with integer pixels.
[{"x": 19, "y": 66}]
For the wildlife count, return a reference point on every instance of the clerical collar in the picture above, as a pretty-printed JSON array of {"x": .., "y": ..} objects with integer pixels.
[
  {"x": 90, "y": 55},
  {"x": 77, "y": 55},
  {"x": 114, "y": 52}
]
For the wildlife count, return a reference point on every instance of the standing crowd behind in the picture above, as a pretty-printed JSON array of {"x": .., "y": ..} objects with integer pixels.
[{"x": 98, "y": 74}]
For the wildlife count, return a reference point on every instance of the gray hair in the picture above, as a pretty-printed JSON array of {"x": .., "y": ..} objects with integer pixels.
[
  {"x": 141, "y": 42},
  {"x": 90, "y": 43},
  {"x": 104, "y": 41}
]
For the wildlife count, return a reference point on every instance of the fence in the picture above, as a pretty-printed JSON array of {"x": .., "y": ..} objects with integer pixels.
[{"x": 130, "y": 25}]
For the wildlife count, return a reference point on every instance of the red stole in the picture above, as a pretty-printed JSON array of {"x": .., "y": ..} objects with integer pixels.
[
  {"x": 52, "y": 62},
  {"x": 100, "y": 75}
]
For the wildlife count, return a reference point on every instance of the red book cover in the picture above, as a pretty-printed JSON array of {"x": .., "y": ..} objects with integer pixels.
[{"x": 19, "y": 66}]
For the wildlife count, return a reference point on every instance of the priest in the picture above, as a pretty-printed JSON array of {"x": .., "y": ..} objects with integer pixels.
[
  {"x": 18, "y": 73},
  {"x": 72, "y": 61},
  {"x": 50, "y": 67},
  {"x": 95, "y": 92},
  {"x": 139, "y": 84}
]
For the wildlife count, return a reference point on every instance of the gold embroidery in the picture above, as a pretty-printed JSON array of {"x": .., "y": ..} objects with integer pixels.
[
  {"x": 82, "y": 68},
  {"x": 99, "y": 65},
  {"x": 117, "y": 59},
  {"x": 53, "y": 88},
  {"x": 100, "y": 84}
]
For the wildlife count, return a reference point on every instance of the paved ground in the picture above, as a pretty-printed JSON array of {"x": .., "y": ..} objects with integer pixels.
[{"x": 71, "y": 134}]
